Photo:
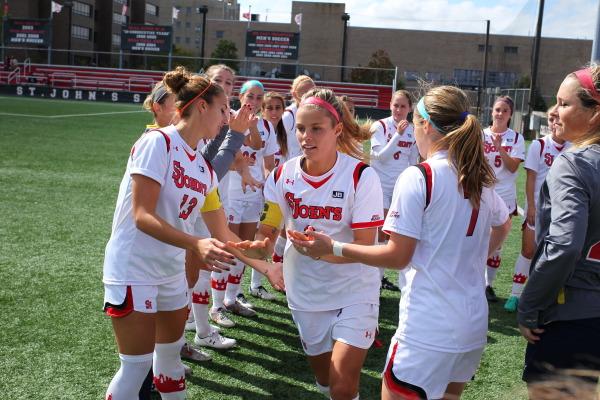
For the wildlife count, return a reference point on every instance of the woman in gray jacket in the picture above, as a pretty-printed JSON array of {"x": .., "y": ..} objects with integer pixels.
[{"x": 559, "y": 310}]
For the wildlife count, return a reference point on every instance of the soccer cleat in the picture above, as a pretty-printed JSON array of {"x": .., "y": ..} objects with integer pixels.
[
  {"x": 262, "y": 293},
  {"x": 191, "y": 354},
  {"x": 240, "y": 298},
  {"x": 387, "y": 285},
  {"x": 215, "y": 340},
  {"x": 490, "y": 295},
  {"x": 220, "y": 318},
  {"x": 239, "y": 309},
  {"x": 511, "y": 304}
]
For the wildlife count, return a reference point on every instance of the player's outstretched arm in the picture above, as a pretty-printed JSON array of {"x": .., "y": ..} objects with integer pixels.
[{"x": 145, "y": 192}]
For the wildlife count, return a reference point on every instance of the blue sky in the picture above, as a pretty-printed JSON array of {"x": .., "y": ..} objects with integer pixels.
[{"x": 562, "y": 18}]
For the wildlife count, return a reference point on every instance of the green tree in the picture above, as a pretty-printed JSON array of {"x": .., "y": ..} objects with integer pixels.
[
  {"x": 379, "y": 59},
  {"x": 224, "y": 53}
]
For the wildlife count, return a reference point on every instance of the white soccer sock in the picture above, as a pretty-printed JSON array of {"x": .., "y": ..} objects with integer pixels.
[
  {"x": 493, "y": 263},
  {"x": 520, "y": 276},
  {"x": 126, "y": 383},
  {"x": 322, "y": 389},
  {"x": 381, "y": 273},
  {"x": 200, "y": 300},
  {"x": 169, "y": 374},
  {"x": 233, "y": 282},
  {"x": 218, "y": 283},
  {"x": 256, "y": 280}
]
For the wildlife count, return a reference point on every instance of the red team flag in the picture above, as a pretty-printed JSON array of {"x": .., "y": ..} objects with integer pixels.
[
  {"x": 56, "y": 8},
  {"x": 246, "y": 15},
  {"x": 124, "y": 10}
]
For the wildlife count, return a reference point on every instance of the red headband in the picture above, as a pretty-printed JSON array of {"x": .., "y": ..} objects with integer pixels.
[
  {"x": 584, "y": 76},
  {"x": 180, "y": 111},
  {"x": 322, "y": 103}
]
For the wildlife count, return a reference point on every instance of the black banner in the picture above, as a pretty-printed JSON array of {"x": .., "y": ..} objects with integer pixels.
[
  {"x": 147, "y": 38},
  {"x": 267, "y": 44},
  {"x": 72, "y": 94},
  {"x": 20, "y": 32}
]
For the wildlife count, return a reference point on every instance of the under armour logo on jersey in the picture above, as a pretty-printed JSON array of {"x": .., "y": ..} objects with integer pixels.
[
  {"x": 394, "y": 214},
  {"x": 289, "y": 181},
  {"x": 201, "y": 168},
  {"x": 337, "y": 194},
  {"x": 368, "y": 335},
  {"x": 375, "y": 217}
]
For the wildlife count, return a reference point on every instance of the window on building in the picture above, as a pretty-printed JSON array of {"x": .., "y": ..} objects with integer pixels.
[
  {"x": 188, "y": 10},
  {"x": 178, "y": 24},
  {"x": 411, "y": 75},
  {"x": 151, "y": 9},
  {"x": 80, "y": 32},
  {"x": 177, "y": 39},
  {"x": 188, "y": 25},
  {"x": 116, "y": 39},
  {"x": 82, "y": 9},
  {"x": 511, "y": 50},
  {"x": 187, "y": 40},
  {"x": 481, "y": 48},
  {"x": 118, "y": 18},
  {"x": 467, "y": 77},
  {"x": 220, "y": 34},
  {"x": 433, "y": 76}
]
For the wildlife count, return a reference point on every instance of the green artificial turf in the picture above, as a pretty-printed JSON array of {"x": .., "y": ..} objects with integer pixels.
[{"x": 59, "y": 176}]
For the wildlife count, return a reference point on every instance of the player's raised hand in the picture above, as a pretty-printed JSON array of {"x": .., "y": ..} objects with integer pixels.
[
  {"x": 497, "y": 141},
  {"x": 252, "y": 248},
  {"x": 243, "y": 120},
  {"x": 402, "y": 125},
  {"x": 274, "y": 274},
  {"x": 193, "y": 260}
]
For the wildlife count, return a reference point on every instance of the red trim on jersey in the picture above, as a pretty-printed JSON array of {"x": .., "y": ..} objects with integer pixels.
[
  {"x": 402, "y": 389},
  {"x": 427, "y": 174},
  {"x": 167, "y": 139},
  {"x": 516, "y": 137},
  {"x": 318, "y": 184},
  {"x": 473, "y": 221},
  {"x": 293, "y": 116},
  {"x": 370, "y": 224},
  {"x": 541, "y": 142},
  {"x": 358, "y": 170},
  {"x": 277, "y": 173},
  {"x": 120, "y": 310},
  {"x": 192, "y": 156},
  {"x": 384, "y": 127},
  {"x": 594, "y": 253},
  {"x": 266, "y": 124},
  {"x": 210, "y": 169}
]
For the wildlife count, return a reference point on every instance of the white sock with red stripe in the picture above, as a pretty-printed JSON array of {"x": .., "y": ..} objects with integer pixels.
[
  {"x": 126, "y": 383},
  {"x": 218, "y": 283},
  {"x": 233, "y": 282},
  {"x": 256, "y": 280},
  {"x": 279, "y": 249},
  {"x": 520, "y": 276},
  {"x": 493, "y": 263},
  {"x": 169, "y": 374},
  {"x": 200, "y": 301}
]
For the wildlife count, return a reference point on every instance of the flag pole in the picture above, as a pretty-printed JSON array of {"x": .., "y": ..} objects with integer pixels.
[
  {"x": 4, "y": 22},
  {"x": 51, "y": 33}
]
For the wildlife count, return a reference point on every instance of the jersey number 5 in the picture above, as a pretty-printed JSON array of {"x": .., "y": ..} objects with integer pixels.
[
  {"x": 187, "y": 206},
  {"x": 498, "y": 161}
]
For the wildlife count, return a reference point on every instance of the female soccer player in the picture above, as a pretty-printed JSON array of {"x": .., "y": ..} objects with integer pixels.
[
  {"x": 540, "y": 156},
  {"x": 504, "y": 150},
  {"x": 272, "y": 110},
  {"x": 165, "y": 186},
  {"x": 393, "y": 149},
  {"x": 245, "y": 207},
  {"x": 439, "y": 225},
  {"x": 558, "y": 310},
  {"x": 335, "y": 308}
]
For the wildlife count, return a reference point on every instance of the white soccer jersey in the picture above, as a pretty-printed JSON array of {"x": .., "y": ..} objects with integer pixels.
[
  {"x": 443, "y": 305},
  {"x": 133, "y": 257},
  {"x": 540, "y": 156},
  {"x": 289, "y": 123},
  {"x": 269, "y": 147},
  {"x": 514, "y": 144},
  {"x": 347, "y": 197},
  {"x": 405, "y": 155}
]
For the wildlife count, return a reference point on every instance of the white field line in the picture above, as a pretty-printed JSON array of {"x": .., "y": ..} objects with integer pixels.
[{"x": 70, "y": 115}]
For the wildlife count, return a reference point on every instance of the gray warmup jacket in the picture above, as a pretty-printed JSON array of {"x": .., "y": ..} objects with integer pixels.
[
  {"x": 564, "y": 282},
  {"x": 220, "y": 151}
]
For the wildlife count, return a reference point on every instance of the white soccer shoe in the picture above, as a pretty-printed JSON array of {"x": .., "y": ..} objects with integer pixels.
[
  {"x": 262, "y": 293},
  {"x": 215, "y": 340}
]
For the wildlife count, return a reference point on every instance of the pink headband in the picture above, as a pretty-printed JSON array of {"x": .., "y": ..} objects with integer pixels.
[
  {"x": 322, "y": 103},
  {"x": 584, "y": 76}
]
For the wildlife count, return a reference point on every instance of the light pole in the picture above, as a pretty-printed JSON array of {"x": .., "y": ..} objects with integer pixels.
[
  {"x": 345, "y": 18},
  {"x": 203, "y": 10},
  {"x": 69, "y": 5}
]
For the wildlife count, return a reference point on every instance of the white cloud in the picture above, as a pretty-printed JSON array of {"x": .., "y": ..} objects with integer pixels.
[{"x": 562, "y": 18}]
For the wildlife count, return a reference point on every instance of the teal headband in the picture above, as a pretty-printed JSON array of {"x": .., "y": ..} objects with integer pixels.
[
  {"x": 249, "y": 84},
  {"x": 423, "y": 112}
]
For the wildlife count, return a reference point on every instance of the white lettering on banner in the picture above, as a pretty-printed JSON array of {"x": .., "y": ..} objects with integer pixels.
[
  {"x": 31, "y": 91},
  {"x": 115, "y": 96},
  {"x": 19, "y": 91},
  {"x": 53, "y": 93},
  {"x": 92, "y": 96},
  {"x": 78, "y": 95},
  {"x": 65, "y": 94},
  {"x": 136, "y": 98}
]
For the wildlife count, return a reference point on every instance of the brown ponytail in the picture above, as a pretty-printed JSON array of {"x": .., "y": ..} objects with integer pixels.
[
  {"x": 187, "y": 87},
  {"x": 446, "y": 106},
  {"x": 352, "y": 136}
]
